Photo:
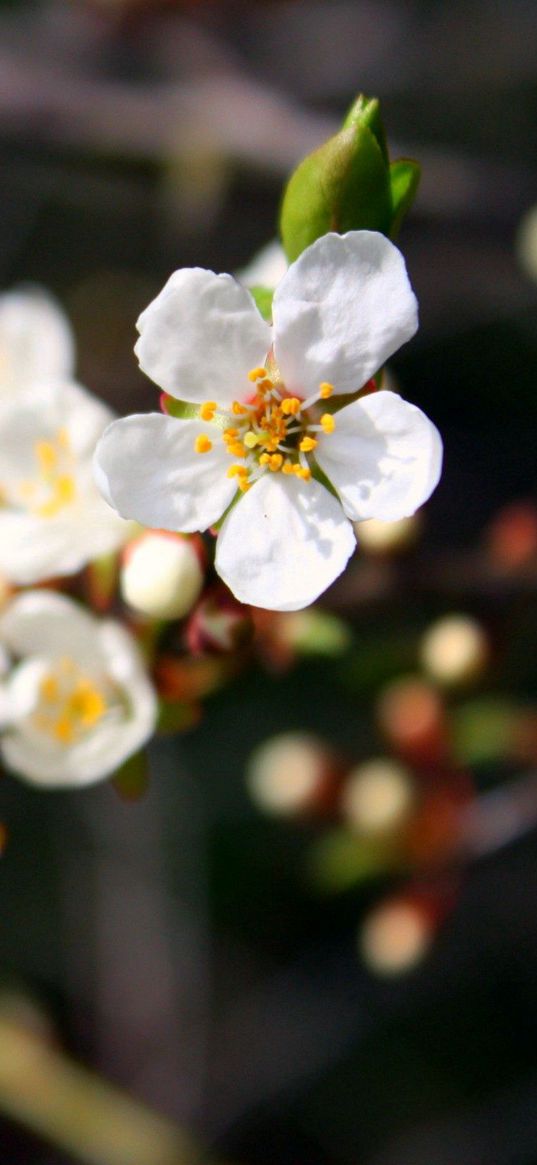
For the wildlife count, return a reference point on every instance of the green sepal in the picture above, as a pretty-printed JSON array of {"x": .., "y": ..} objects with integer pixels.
[
  {"x": 180, "y": 408},
  {"x": 132, "y": 779},
  {"x": 342, "y": 186},
  {"x": 366, "y": 111},
  {"x": 404, "y": 181},
  {"x": 263, "y": 297}
]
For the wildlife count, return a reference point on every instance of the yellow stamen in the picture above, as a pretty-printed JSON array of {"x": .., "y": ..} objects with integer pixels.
[
  {"x": 288, "y": 467},
  {"x": 243, "y": 484},
  {"x": 49, "y": 689},
  {"x": 275, "y": 462},
  {"x": 237, "y": 409},
  {"x": 291, "y": 406},
  {"x": 303, "y": 472},
  {"x": 237, "y": 471},
  {"x": 264, "y": 459},
  {"x": 63, "y": 492},
  {"x": 202, "y": 444},
  {"x": 208, "y": 410},
  {"x": 236, "y": 449},
  {"x": 47, "y": 456},
  {"x": 230, "y": 433},
  {"x": 307, "y": 444},
  {"x": 257, "y": 373},
  {"x": 328, "y": 423},
  {"x": 63, "y": 730},
  {"x": 86, "y": 704},
  {"x": 251, "y": 440},
  {"x": 325, "y": 390}
]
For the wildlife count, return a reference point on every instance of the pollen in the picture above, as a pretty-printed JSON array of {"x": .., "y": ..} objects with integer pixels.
[
  {"x": 237, "y": 471},
  {"x": 328, "y": 423},
  {"x": 325, "y": 390},
  {"x": 238, "y": 410},
  {"x": 69, "y": 703},
  {"x": 291, "y": 406},
  {"x": 47, "y": 457},
  {"x": 257, "y": 374},
  {"x": 307, "y": 444},
  {"x": 251, "y": 439},
  {"x": 203, "y": 444},
  {"x": 303, "y": 472},
  {"x": 275, "y": 462},
  {"x": 208, "y": 410}
]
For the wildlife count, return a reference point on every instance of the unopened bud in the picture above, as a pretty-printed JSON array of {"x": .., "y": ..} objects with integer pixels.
[
  {"x": 395, "y": 937},
  {"x": 455, "y": 651},
  {"x": 289, "y": 773},
  {"x": 377, "y": 796},
  {"x": 161, "y": 576},
  {"x": 412, "y": 716}
]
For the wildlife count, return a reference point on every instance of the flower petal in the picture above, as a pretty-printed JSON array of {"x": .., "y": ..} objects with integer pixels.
[
  {"x": 201, "y": 336},
  {"x": 44, "y": 623},
  {"x": 146, "y": 468},
  {"x": 342, "y": 309},
  {"x": 36, "y": 342},
  {"x": 384, "y": 457},
  {"x": 283, "y": 543}
]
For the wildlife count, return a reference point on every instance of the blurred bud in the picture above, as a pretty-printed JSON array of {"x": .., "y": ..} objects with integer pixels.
[
  {"x": 378, "y": 796},
  {"x": 376, "y": 537},
  {"x": 395, "y": 936},
  {"x": 526, "y": 243},
  {"x": 512, "y": 536},
  {"x": 315, "y": 632},
  {"x": 455, "y": 651},
  {"x": 220, "y": 623},
  {"x": 161, "y": 576},
  {"x": 411, "y": 715},
  {"x": 290, "y": 774}
]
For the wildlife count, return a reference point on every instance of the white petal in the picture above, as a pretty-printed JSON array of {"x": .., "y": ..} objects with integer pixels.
[
  {"x": 384, "y": 457},
  {"x": 267, "y": 267},
  {"x": 146, "y": 468},
  {"x": 283, "y": 543},
  {"x": 36, "y": 342},
  {"x": 201, "y": 336},
  {"x": 44, "y": 623},
  {"x": 342, "y": 309}
]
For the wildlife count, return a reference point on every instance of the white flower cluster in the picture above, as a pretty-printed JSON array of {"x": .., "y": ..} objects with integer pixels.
[{"x": 75, "y": 701}]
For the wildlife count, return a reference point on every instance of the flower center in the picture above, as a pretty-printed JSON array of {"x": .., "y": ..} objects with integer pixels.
[
  {"x": 70, "y": 703},
  {"x": 272, "y": 431},
  {"x": 53, "y": 486}
]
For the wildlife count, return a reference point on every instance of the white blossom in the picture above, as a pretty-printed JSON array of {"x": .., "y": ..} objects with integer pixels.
[
  {"x": 52, "y": 518},
  {"x": 266, "y": 427},
  {"x": 36, "y": 341},
  {"x": 78, "y": 702}
]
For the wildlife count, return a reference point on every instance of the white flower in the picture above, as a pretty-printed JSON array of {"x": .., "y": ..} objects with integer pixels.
[
  {"x": 36, "y": 342},
  {"x": 267, "y": 267},
  {"x": 262, "y": 425},
  {"x": 79, "y": 701},
  {"x": 52, "y": 519}
]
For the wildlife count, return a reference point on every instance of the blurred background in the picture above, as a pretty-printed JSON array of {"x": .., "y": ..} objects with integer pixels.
[{"x": 348, "y": 975}]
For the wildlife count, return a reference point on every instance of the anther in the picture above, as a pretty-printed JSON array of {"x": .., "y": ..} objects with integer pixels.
[
  {"x": 290, "y": 406},
  {"x": 202, "y": 444},
  {"x": 257, "y": 373},
  {"x": 307, "y": 444},
  {"x": 276, "y": 462},
  {"x": 208, "y": 410},
  {"x": 251, "y": 440},
  {"x": 325, "y": 389},
  {"x": 328, "y": 423}
]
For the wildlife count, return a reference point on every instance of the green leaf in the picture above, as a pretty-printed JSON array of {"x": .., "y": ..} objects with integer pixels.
[
  {"x": 342, "y": 186},
  {"x": 340, "y": 860},
  {"x": 404, "y": 180},
  {"x": 263, "y": 297},
  {"x": 131, "y": 780}
]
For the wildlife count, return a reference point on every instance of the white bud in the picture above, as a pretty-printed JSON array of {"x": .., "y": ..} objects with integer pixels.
[
  {"x": 454, "y": 650},
  {"x": 161, "y": 576},
  {"x": 285, "y": 772},
  {"x": 377, "y": 796}
]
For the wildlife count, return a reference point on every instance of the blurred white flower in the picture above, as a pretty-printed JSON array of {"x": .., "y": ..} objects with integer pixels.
[
  {"x": 262, "y": 426},
  {"x": 52, "y": 518},
  {"x": 78, "y": 702},
  {"x": 36, "y": 341}
]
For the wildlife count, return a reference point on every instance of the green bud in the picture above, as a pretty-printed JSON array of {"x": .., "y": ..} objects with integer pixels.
[{"x": 347, "y": 184}]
